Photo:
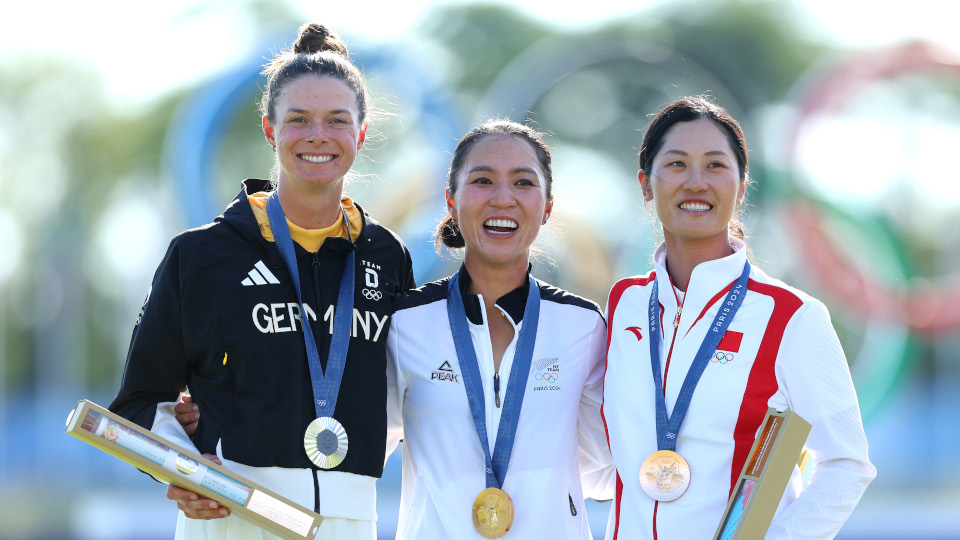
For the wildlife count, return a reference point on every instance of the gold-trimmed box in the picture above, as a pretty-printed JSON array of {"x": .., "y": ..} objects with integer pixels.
[
  {"x": 183, "y": 468},
  {"x": 764, "y": 477}
]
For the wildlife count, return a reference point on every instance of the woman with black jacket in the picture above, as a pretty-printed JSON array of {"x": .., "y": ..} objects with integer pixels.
[{"x": 301, "y": 413}]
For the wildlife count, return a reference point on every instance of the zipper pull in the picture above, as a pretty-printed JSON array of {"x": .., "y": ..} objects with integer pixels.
[
  {"x": 496, "y": 388},
  {"x": 316, "y": 259},
  {"x": 676, "y": 320}
]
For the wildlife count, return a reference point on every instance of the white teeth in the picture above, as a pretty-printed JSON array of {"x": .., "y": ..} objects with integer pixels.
[
  {"x": 507, "y": 223},
  {"x": 316, "y": 159},
  {"x": 695, "y": 207}
]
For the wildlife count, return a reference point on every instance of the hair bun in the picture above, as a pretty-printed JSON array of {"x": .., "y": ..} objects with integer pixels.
[{"x": 315, "y": 37}]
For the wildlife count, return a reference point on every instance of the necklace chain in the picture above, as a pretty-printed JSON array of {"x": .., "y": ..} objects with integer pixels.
[{"x": 494, "y": 307}]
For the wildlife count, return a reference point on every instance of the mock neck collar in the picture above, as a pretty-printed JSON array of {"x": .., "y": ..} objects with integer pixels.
[
  {"x": 707, "y": 278},
  {"x": 514, "y": 302}
]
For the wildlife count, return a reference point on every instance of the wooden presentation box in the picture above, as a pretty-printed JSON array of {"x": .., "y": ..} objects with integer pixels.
[
  {"x": 171, "y": 463},
  {"x": 764, "y": 477}
]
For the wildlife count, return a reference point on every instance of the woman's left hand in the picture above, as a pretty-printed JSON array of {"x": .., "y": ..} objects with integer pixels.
[{"x": 188, "y": 414}]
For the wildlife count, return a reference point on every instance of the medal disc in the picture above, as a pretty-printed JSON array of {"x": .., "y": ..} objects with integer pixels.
[
  {"x": 493, "y": 513},
  {"x": 325, "y": 442},
  {"x": 664, "y": 475}
]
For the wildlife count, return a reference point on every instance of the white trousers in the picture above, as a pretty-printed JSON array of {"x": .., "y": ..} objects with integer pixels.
[{"x": 233, "y": 527}]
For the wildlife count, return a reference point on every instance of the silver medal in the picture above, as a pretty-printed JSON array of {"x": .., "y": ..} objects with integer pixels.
[{"x": 325, "y": 442}]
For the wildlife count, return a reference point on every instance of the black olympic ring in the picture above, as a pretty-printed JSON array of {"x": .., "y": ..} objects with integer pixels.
[
  {"x": 371, "y": 294},
  {"x": 548, "y": 377},
  {"x": 722, "y": 357}
]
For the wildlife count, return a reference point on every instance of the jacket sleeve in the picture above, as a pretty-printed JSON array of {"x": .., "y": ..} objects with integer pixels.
[
  {"x": 814, "y": 381},
  {"x": 156, "y": 368},
  {"x": 597, "y": 473},
  {"x": 395, "y": 391},
  {"x": 408, "y": 281}
]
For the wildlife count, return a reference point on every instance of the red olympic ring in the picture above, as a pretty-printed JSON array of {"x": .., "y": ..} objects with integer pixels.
[{"x": 924, "y": 305}]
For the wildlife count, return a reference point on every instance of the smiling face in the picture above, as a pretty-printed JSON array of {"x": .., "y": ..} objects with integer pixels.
[
  {"x": 315, "y": 132},
  {"x": 695, "y": 184},
  {"x": 500, "y": 201}
]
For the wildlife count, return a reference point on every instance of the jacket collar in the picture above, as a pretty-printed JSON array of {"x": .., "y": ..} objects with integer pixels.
[
  {"x": 514, "y": 302},
  {"x": 707, "y": 279},
  {"x": 239, "y": 215}
]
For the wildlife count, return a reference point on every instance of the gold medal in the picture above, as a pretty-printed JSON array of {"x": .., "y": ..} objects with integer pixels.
[
  {"x": 492, "y": 513},
  {"x": 664, "y": 475},
  {"x": 325, "y": 442}
]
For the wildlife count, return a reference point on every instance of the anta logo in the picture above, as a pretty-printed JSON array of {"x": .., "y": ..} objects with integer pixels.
[
  {"x": 445, "y": 373},
  {"x": 276, "y": 318},
  {"x": 635, "y": 330}
]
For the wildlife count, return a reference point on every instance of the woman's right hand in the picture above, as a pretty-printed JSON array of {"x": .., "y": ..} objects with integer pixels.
[{"x": 193, "y": 505}]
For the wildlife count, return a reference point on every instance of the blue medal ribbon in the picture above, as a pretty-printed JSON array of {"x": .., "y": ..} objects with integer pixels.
[
  {"x": 326, "y": 385},
  {"x": 667, "y": 430},
  {"x": 496, "y": 467}
]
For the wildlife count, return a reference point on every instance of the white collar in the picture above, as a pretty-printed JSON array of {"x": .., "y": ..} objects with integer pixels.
[{"x": 707, "y": 279}]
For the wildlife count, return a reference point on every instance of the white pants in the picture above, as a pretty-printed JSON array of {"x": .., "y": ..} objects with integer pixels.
[{"x": 233, "y": 527}]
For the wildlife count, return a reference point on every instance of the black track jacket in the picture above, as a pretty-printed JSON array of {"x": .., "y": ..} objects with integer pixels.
[{"x": 216, "y": 321}]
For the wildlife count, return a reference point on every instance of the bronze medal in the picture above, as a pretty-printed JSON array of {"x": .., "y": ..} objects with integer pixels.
[
  {"x": 664, "y": 475},
  {"x": 493, "y": 513}
]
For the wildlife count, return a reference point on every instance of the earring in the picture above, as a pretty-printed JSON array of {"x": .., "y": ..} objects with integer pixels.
[
  {"x": 274, "y": 148},
  {"x": 450, "y": 202}
]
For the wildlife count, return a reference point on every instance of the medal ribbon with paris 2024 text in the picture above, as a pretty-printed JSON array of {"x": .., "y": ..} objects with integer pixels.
[
  {"x": 326, "y": 385},
  {"x": 667, "y": 430},
  {"x": 496, "y": 467}
]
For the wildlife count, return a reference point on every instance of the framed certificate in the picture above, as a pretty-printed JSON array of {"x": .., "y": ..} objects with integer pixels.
[
  {"x": 183, "y": 468},
  {"x": 764, "y": 477}
]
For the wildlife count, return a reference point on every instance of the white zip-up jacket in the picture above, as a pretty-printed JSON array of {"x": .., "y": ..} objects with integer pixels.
[
  {"x": 781, "y": 351},
  {"x": 560, "y": 433}
]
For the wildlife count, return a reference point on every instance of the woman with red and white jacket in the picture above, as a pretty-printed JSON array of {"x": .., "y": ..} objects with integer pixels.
[{"x": 702, "y": 345}]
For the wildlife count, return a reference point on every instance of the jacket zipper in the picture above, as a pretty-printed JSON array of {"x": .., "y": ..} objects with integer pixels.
[
  {"x": 666, "y": 371},
  {"x": 496, "y": 388},
  {"x": 676, "y": 325}
]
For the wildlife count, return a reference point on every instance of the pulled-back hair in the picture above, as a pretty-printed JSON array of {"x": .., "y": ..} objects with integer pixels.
[
  {"x": 688, "y": 109},
  {"x": 317, "y": 51},
  {"x": 448, "y": 232}
]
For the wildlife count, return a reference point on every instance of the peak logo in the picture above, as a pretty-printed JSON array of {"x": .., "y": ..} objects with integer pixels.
[
  {"x": 445, "y": 373},
  {"x": 635, "y": 330}
]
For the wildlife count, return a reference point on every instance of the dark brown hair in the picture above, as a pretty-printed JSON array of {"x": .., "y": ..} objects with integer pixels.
[
  {"x": 448, "y": 232},
  {"x": 317, "y": 51},
  {"x": 688, "y": 109}
]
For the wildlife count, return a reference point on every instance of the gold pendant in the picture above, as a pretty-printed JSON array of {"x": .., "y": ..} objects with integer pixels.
[
  {"x": 664, "y": 475},
  {"x": 492, "y": 513}
]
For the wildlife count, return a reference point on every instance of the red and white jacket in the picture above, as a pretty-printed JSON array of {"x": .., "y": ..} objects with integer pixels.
[{"x": 780, "y": 351}]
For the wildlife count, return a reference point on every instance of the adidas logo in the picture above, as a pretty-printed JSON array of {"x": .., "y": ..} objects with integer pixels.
[{"x": 259, "y": 275}]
